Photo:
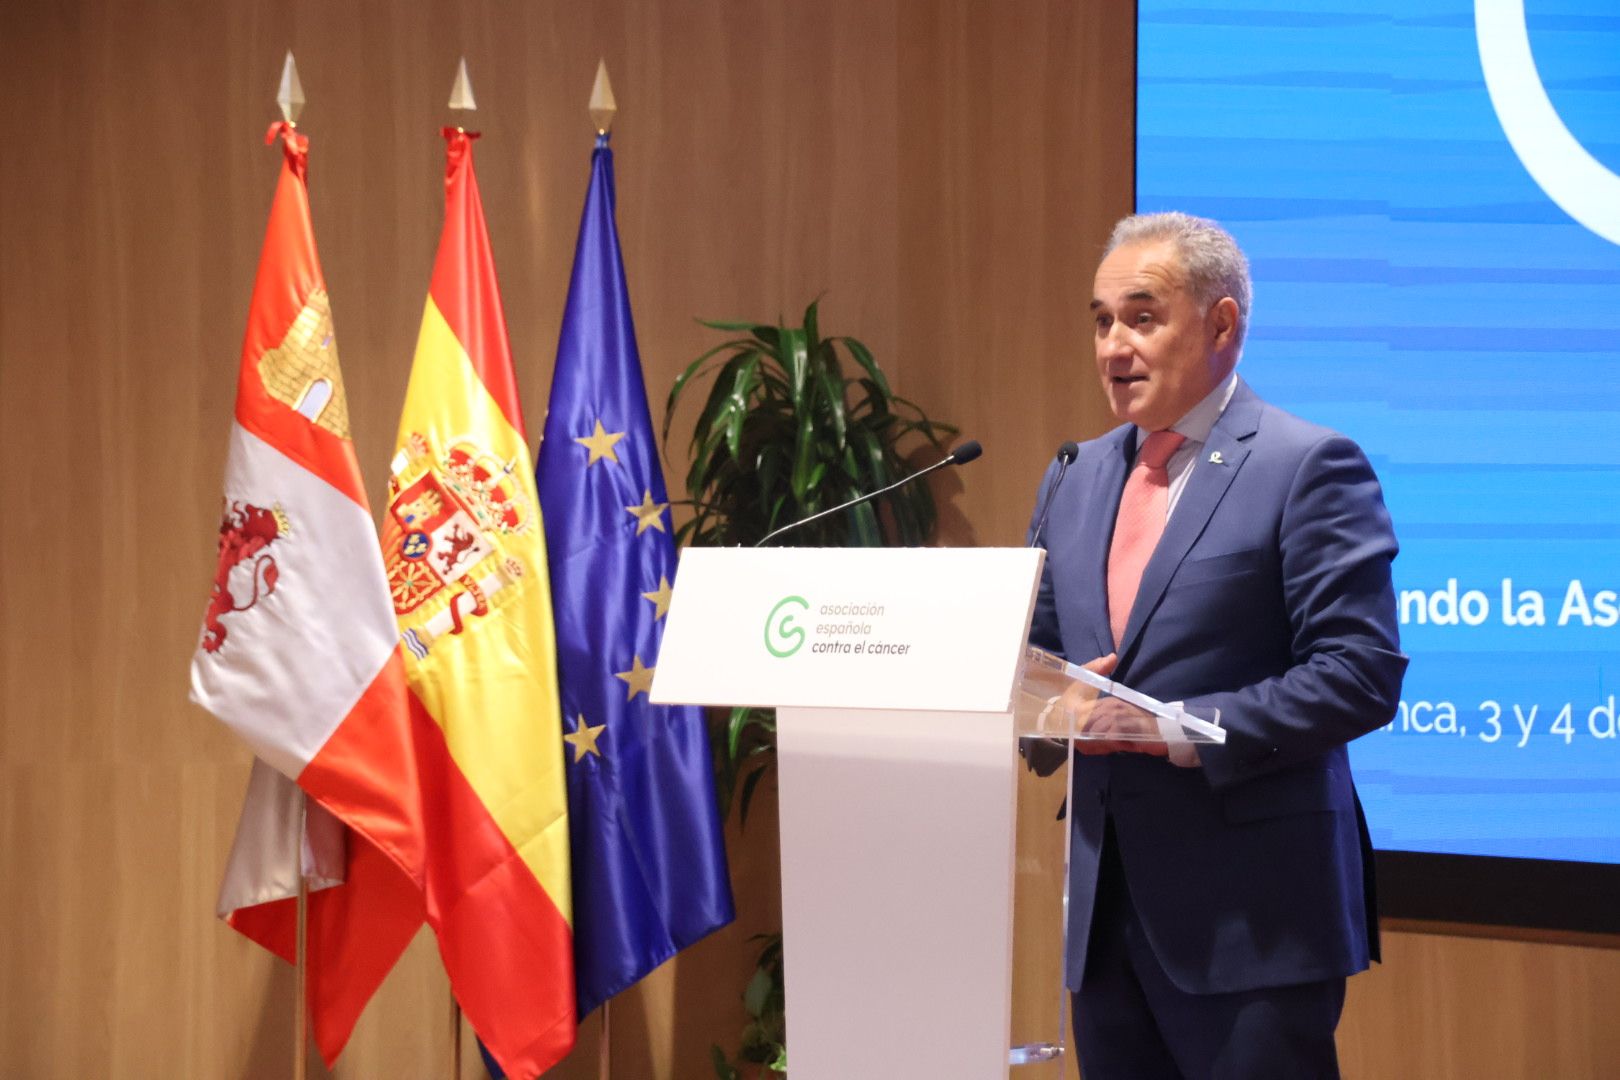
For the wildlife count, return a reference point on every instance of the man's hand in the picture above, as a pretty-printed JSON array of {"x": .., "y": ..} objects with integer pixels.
[{"x": 1108, "y": 716}]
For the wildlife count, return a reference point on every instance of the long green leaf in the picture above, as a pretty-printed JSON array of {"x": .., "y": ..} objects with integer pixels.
[
  {"x": 812, "y": 332},
  {"x": 866, "y": 529},
  {"x": 865, "y": 449},
  {"x": 930, "y": 429},
  {"x": 832, "y": 397},
  {"x": 863, "y": 357},
  {"x": 795, "y": 357},
  {"x": 743, "y": 385},
  {"x": 691, "y": 371},
  {"x": 718, "y": 405},
  {"x": 763, "y": 332},
  {"x": 735, "y": 726},
  {"x": 774, "y": 520},
  {"x": 875, "y": 463},
  {"x": 769, "y": 473},
  {"x": 705, "y": 463}
]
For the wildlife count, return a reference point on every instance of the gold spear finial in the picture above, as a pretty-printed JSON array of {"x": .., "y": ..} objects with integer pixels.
[
  {"x": 602, "y": 104},
  {"x": 290, "y": 95},
  {"x": 461, "y": 95}
]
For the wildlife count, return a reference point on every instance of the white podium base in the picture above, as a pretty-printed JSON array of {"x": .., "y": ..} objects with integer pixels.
[{"x": 897, "y": 884}]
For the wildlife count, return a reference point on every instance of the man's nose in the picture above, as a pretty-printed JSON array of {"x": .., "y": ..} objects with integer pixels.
[{"x": 1111, "y": 343}]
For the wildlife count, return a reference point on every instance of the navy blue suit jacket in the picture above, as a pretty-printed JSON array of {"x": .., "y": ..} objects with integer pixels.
[{"x": 1268, "y": 597}]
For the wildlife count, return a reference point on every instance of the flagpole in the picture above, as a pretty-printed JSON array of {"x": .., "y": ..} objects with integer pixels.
[
  {"x": 455, "y": 1037},
  {"x": 290, "y": 98},
  {"x": 602, "y": 108},
  {"x": 461, "y": 100},
  {"x": 301, "y": 996}
]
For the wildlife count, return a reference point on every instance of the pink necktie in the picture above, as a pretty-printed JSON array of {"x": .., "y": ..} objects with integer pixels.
[{"x": 1143, "y": 508}]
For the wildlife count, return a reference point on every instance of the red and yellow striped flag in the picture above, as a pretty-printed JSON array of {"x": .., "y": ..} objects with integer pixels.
[{"x": 466, "y": 560}]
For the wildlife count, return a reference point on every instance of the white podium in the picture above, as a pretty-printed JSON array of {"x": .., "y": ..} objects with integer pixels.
[
  {"x": 903, "y": 685},
  {"x": 893, "y": 672}
]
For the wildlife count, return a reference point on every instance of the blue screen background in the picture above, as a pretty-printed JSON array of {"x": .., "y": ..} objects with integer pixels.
[{"x": 1416, "y": 289}]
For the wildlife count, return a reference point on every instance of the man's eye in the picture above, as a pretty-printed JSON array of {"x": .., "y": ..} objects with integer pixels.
[
  {"x": 1143, "y": 318},
  {"x": 1104, "y": 322}
]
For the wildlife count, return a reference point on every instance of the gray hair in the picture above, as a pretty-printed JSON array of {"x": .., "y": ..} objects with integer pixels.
[{"x": 1215, "y": 266}]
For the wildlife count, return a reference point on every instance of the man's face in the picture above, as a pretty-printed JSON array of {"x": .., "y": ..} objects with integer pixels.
[{"x": 1159, "y": 351}]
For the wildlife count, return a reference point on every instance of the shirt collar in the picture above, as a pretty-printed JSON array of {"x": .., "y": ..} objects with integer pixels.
[{"x": 1200, "y": 419}]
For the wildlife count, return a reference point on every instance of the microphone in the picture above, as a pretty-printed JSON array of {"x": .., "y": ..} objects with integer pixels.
[
  {"x": 1065, "y": 456},
  {"x": 968, "y": 451}
]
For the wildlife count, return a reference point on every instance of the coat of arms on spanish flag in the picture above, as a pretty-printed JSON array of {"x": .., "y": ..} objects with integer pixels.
[{"x": 467, "y": 576}]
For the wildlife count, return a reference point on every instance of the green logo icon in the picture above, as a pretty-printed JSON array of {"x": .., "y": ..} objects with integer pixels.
[{"x": 782, "y": 636}]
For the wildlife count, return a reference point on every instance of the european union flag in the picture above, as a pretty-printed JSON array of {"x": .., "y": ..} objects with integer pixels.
[{"x": 649, "y": 865}]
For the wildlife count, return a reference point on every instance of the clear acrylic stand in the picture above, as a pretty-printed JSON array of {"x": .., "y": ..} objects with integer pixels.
[
  {"x": 1058, "y": 703},
  {"x": 1060, "y": 700}
]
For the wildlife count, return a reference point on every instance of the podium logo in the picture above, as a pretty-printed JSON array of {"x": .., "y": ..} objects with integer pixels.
[{"x": 783, "y": 637}]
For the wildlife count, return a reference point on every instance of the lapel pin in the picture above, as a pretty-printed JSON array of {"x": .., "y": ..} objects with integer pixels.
[{"x": 1215, "y": 458}]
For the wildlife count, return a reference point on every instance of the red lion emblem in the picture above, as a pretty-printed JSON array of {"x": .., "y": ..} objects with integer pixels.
[
  {"x": 460, "y": 542},
  {"x": 243, "y": 535}
]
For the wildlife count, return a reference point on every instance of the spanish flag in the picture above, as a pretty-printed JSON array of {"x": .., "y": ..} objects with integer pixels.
[{"x": 466, "y": 558}]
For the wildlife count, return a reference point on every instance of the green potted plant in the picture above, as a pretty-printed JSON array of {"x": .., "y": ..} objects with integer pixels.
[{"x": 789, "y": 429}]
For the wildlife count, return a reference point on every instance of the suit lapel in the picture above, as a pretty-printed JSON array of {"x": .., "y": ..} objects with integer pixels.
[
  {"x": 1097, "y": 528},
  {"x": 1220, "y": 458}
]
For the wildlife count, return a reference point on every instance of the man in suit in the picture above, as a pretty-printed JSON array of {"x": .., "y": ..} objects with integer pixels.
[{"x": 1217, "y": 551}]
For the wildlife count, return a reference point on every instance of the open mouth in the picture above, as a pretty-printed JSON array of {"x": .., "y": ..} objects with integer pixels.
[{"x": 1125, "y": 380}]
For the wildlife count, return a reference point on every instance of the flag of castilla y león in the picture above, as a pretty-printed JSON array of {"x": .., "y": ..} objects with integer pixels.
[{"x": 299, "y": 652}]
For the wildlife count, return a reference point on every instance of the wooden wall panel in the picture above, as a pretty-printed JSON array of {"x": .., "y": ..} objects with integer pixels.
[
  {"x": 1015, "y": 160},
  {"x": 945, "y": 170},
  {"x": 1442, "y": 1006}
]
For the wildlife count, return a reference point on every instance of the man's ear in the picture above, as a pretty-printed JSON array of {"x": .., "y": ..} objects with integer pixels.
[{"x": 1224, "y": 319}]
